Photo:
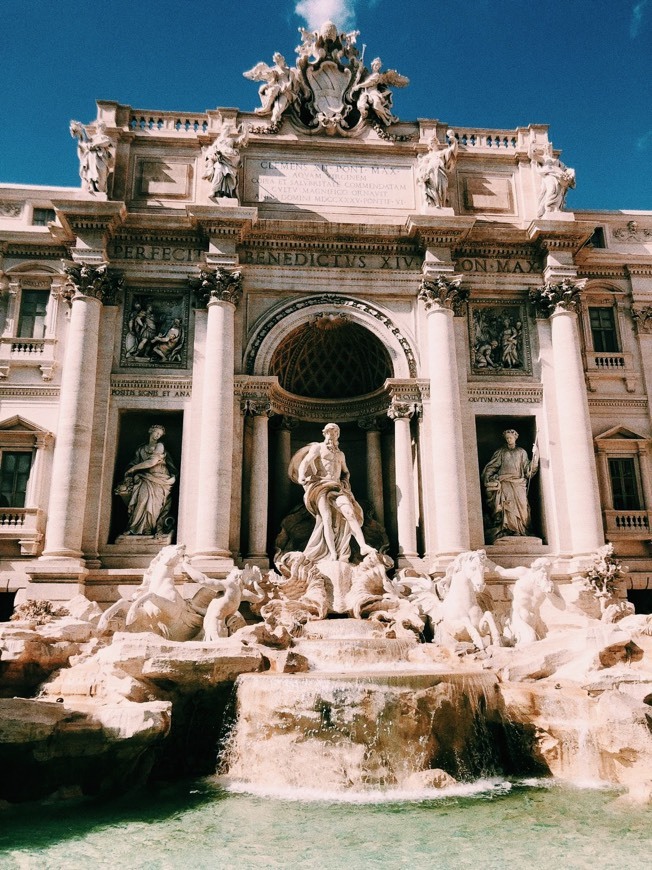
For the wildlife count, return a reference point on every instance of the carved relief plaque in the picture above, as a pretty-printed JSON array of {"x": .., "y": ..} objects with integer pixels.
[
  {"x": 489, "y": 194},
  {"x": 169, "y": 179},
  {"x": 499, "y": 338},
  {"x": 155, "y": 330}
]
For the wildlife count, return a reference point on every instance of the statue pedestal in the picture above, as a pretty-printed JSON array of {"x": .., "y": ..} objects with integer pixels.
[
  {"x": 340, "y": 576},
  {"x": 517, "y": 543}
]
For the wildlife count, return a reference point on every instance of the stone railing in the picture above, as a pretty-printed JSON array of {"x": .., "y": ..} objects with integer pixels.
[
  {"x": 602, "y": 364},
  {"x": 627, "y": 524},
  {"x": 27, "y": 352},
  {"x": 487, "y": 140},
  {"x": 24, "y": 525},
  {"x": 167, "y": 122}
]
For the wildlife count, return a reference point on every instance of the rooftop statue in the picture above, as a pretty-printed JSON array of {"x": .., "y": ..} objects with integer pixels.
[
  {"x": 95, "y": 154},
  {"x": 222, "y": 160},
  {"x": 434, "y": 169},
  {"x": 556, "y": 179},
  {"x": 329, "y": 90}
]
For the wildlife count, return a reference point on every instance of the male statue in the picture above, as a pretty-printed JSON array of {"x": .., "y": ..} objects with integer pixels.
[
  {"x": 506, "y": 478},
  {"x": 322, "y": 471}
]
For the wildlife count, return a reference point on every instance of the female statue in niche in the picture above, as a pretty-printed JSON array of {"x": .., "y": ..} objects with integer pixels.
[{"x": 147, "y": 487}]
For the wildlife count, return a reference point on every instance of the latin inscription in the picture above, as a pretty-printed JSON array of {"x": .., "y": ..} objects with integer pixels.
[
  {"x": 330, "y": 260},
  {"x": 152, "y": 389},
  {"x": 336, "y": 184},
  {"x": 513, "y": 267},
  {"x": 155, "y": 253}
]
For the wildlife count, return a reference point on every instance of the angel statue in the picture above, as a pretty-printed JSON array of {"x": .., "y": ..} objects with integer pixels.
[
  {"x": 279, "y": 89},
  {"x": 95, "y": 156},
  {"x": 374, "y": 95},
  {"x": 222, "y": 159},
  {"x": 556, "y": 179}
]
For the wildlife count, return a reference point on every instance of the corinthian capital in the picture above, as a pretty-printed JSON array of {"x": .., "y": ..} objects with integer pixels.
[
  {"x": 441, "y": 292},
  {"x": 399, "y": 410},
  {"x": 564, "y": 295},
  {"x": 220, "y": 285},
  {"x": 256, "y": 406},
  {"x": 642, "y": 317},
  {"x": 83, "y": 279}
]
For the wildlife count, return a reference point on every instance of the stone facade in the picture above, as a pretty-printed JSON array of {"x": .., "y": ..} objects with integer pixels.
[{"x": 240, "y": 283}]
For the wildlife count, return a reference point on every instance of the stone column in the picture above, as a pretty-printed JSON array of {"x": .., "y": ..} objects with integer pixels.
[
  {"x": 443, "y": 298},
  {"x": 604, "y": 479},
  {"x": 642, "y": 316},
  {"x": 401, "y": 413},
  {"x": 284, "y": 455},
  {"x": 220, "y": 290},
  {"x": 374, "y": 467},
  {"x": 259, "y": 410},
  {"x": 88, "y": 287},
  {"x": 646, "y": 481},
  {"x": 560, "y": 301}
]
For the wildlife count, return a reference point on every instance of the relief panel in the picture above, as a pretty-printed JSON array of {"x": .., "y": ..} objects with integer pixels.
[
  {"x": 155, "y": 178},
  {"x": 155, "y": 330},
  {"x": 499, "y": 338}
]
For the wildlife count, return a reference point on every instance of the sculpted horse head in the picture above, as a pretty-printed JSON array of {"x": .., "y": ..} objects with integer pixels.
[{"x": 467, "y": 568}]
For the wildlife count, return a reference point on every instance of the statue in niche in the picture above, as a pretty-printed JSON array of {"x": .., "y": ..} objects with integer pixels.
[
  {"x": 374, "y": 95},
  {"x": 222, "y": 160},
  {"x": 147, "y": 488},
  {"x": 95, "y": 156},
  {"x": 321, "y": 469},
  {"x": 506, "y": 480},
  {"x": 434, "y": 169},
  {"x": 556, "y": 179}
]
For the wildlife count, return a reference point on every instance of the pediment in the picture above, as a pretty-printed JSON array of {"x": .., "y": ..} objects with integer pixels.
[
  {"x": 620, "y": 433},
  {"x": 18, "y": 432}
]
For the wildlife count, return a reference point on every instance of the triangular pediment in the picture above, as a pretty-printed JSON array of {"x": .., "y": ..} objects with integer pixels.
[
  {"x": 620, "y": 433},
  {"x": 20, "y": 424}
]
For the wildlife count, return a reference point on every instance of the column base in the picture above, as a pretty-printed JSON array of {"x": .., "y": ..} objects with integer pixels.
[
  {"x": 58, "y": 571},
  {"x": 257, "y": 560},
  {"x": 412, "y": 560}
]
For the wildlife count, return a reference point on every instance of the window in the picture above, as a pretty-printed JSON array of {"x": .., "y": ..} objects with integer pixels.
[
  {"x": 33, "y": 310},
  {"x": 603, "y": 330},
  {"x": 624, "y": 484},
  {"x": 597, "y": 239},
  {"x": 42, "y": 217},
  {"x": 14, "y": 475}
]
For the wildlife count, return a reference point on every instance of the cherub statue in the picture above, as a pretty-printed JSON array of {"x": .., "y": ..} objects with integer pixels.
[
  {"x": 434, "y": 169},
  {"x": 95, "y": 156},
  {"x": 373, "y": 94},
  {"x": 556, "y": 179},
  {"x": 280, "y": 88},
  {"x": 222, "y": 159}
]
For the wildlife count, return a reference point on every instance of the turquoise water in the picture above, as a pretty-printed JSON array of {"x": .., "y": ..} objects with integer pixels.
[{"x": 200, "y": 825}]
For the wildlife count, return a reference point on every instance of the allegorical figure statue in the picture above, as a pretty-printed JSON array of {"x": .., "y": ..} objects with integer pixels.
[
  {"x": 221, "y": 161},
  {"x": 322, "y": 471},
  {"x": 506, "y": 477},
  {"x": 375, "y": 96},
  {"x": 556, "y": 180},
  {"x": 95, "y": 156},
  {"x": 147, "y": 487},
  {"x": 434, "y": 169}
]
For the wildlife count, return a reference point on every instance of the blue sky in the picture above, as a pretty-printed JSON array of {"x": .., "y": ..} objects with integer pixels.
[{"x": 582, "y": 66}]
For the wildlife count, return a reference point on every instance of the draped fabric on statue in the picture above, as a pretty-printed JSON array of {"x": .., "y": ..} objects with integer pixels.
[
  {"x": 505, "y": 477},
  {"x": 150, "y": 501},
  {"x": 316, "y": 549}
]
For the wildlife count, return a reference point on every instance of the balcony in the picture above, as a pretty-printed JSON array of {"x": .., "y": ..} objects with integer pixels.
[
  {"x": 27, "y": 352},
  {"x": 631, "y": 525},
  {"x": 24, "y": 525},
  {"x": 602, "y": 366}
]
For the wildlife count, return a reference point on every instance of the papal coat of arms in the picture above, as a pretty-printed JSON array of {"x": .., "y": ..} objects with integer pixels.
[{"x": 329, "y": 90}]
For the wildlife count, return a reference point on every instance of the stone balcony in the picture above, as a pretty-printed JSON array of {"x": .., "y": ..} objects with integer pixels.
[
  {"x": 24, "y": 525},
  {"x": 36, "y": 352},
  {"x": 632, "y": 525},
  {"x": 606, "y": 365}
]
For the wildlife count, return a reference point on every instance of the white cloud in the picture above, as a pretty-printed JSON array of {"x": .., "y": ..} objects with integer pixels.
[
  {"x": 637, "y": 17},
  {"x": 341, "y": 12},
  {"x": 643, "y": 142}
]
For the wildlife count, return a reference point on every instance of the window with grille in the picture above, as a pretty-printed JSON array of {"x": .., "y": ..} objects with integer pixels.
[
  {"x": 603, "y": 330},
  {"x": 624, "y": 484},
  {"x": 14, "y": 474},
  {"x": 33, "y": 311}
]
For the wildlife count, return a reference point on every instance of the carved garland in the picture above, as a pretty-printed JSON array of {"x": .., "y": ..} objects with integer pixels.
[{"x": 329, "y": 299}]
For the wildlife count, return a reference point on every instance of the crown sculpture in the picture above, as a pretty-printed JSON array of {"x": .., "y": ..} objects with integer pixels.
[{"x": 329, "y": 90}]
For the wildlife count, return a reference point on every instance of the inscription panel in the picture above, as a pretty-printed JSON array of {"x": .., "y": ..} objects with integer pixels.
[
  {"x": 320, "y": 183},
  {"x": 487, "y": 194}
]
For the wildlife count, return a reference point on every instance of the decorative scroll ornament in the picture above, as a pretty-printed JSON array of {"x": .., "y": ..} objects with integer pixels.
[
  {"x": 442, "y": 293},
  {"x": 330, "y": 90},
  {"x": 642, "y": 317},
  {"x": 219, "y": 285},
  {"x": 87, "y": 280},
  {"x": 565, "y": 295}
]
